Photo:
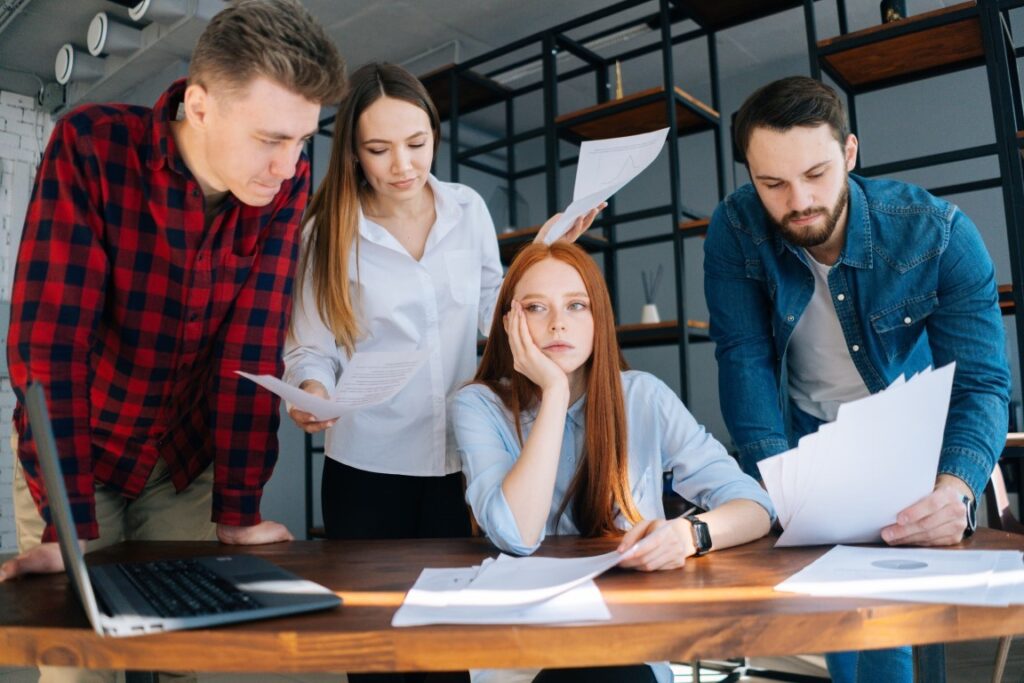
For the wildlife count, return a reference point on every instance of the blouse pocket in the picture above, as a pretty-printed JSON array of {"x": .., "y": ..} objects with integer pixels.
[
  {"x": 899, "y": 327},
  {"x": 463, "y": 266}
]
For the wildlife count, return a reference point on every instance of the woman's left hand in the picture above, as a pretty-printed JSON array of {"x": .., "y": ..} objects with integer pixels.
[
  {"x": 581, "y": 225},
  {"x": 660, "y": 544}
]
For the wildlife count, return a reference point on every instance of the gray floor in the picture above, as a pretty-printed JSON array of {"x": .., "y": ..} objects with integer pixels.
[{"x": 969, "y": 662}]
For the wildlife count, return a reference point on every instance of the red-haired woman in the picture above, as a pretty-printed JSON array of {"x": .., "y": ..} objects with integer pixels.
[
  {"x": 557, "y": 436},
  {"x": 393, "y": 260}
]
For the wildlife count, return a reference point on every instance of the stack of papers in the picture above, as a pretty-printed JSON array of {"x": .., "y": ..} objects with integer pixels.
[
  {"x": 509, "y": 590},
  {"x": 993, "y": 578},
  {"x": 849, "y": 480},
  {"x": 370, "y": 378},
  {"x": 605, "y": 167}
]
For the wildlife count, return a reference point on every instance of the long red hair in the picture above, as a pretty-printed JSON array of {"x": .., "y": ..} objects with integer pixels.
[{"x": 599, "y": 490}]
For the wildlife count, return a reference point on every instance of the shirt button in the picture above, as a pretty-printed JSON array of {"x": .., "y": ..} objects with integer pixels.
[
  {"x": 841, "y": 297},
  {"x": 907, "y": 320},
  {"x": 790, "y": 318},
  {"x": 195, "y": 191},
  {"x": 193, "y": 317},
  {"x": 855, "y": 348},
  {"x": 199, "y": 258}
]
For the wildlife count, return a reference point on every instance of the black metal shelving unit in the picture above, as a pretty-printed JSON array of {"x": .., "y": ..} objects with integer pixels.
[
  {"x": 962, "y": 36},
  {"x": 666, "y": 105}
]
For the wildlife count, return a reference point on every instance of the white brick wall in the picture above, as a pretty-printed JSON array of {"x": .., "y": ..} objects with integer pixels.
[{"x": 24, "y": 130}]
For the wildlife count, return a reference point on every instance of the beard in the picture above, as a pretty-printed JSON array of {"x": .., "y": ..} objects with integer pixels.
[{"x": 811, "y": 236}]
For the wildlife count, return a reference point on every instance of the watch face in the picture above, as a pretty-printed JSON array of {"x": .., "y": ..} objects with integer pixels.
[{"x": 701, "y": 535}]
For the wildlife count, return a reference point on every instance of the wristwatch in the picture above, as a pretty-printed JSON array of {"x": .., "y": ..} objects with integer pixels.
[
  {"x": 701, "y": 535},
  {"x": 972, "y": 517}
]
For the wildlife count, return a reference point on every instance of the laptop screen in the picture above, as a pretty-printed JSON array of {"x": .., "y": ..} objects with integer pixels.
[{"x": 57, "y": 496}]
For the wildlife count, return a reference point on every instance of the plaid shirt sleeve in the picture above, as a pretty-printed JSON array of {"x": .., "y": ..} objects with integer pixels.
[
  {"x": 58, "y": 296},
  {"x": 245, "y": 417}
]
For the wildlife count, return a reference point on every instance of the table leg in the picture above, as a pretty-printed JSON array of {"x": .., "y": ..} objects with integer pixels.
[{"x": 930, "y": 663}]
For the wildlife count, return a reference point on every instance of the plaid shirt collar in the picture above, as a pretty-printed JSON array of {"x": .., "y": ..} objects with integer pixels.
[{"x": 164, "y": 148}]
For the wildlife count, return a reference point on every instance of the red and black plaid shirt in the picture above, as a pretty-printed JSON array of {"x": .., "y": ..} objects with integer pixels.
[{"x": 134, "y": 316}]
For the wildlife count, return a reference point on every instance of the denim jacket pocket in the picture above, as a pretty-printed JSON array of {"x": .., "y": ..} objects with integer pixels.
[
  {"x": 899, "y": 327},
  {"x": 755, "y": 271}
]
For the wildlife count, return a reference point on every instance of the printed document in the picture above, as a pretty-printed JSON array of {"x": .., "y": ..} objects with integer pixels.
[
  {"x": 967, "y": 577},
  {"x": 370, "y": 378},
  {"x": 849, "y": 480},
  {"x": 510, "y": 590},
  {"x": 604, "y": 168}
]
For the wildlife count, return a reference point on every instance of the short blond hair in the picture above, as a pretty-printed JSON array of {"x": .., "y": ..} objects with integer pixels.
[{"x": 277, "y": 39}]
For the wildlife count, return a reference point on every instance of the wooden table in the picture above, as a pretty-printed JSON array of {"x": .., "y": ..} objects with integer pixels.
[{"x": 721, "y": 605}]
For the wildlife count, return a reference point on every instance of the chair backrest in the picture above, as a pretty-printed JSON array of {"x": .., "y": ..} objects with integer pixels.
[{"x": 998, "y": 504}]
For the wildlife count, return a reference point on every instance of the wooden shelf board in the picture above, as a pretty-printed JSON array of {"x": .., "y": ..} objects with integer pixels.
[
  {"x": 694, "y": 228},
  {"x": 720, "y": 14},
  {"x": 1006, "y": 305},
  {"x": 650, "y": 334},
  {"x": 475, "y": 91},
  {"x": 657, "y": 334},
  {"x": 891, "y": 52},
  {"x": 640, "y": 112}
]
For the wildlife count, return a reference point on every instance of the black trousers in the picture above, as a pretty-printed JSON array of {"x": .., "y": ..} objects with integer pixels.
[{"x": 363, "y": 505}]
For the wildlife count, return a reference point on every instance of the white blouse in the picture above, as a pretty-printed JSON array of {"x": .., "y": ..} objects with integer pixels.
[{"x": 436, "y": 305}]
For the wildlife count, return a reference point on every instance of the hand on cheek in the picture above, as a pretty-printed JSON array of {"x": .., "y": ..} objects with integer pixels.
[{"x": 527, "y": 357}]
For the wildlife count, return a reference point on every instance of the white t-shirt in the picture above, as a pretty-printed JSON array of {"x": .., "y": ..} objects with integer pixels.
[
  {"x": 822, "y": 375},
  {"x": 436, "y": 305}
]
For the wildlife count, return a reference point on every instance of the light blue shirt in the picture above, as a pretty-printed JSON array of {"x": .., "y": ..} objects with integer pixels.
[{"x": 662, "y": 436}]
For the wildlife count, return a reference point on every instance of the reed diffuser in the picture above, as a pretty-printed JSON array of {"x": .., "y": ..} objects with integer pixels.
[{"x": 651, "y": 280}]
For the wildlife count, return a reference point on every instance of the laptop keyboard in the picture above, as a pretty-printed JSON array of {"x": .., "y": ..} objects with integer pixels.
[{"x": 181, "y": 588}]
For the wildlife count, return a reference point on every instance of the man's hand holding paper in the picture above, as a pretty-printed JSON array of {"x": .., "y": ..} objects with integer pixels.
[{"x": 937, "y": 519}]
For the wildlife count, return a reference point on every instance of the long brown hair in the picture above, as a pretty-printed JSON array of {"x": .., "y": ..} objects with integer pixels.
[
  {"x": 599, "y": 490},
  {"x": 335, "y": 205}
]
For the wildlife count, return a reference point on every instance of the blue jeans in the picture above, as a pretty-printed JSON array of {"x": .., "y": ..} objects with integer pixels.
[{"x": 895, "y": 665}]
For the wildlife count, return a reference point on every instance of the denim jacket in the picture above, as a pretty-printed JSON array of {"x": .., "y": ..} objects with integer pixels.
[{"x": 914, "y": 286}]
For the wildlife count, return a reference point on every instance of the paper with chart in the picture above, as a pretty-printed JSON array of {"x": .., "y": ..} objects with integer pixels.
[
  {"x": 510, "y": 590},
  {"x": 968, "y": 577},
  {"x": 848, "y": 480},
  {"x": 604, "y": 168},
  {"x": 370, "y": 377}
]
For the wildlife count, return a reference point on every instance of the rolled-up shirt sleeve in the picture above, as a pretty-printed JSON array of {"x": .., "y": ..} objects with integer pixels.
[{"x": 487, "y": 446}]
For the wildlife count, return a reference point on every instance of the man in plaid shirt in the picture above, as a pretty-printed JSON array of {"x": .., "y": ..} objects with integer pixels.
[{"x": 157, "y": 259}]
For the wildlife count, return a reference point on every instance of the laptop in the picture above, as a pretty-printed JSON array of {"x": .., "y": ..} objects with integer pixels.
[{"x": 135, "y": 598}]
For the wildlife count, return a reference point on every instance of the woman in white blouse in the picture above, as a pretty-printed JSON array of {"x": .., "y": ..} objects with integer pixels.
[
  {"x": 393, "y": 260},
  {"x": 557, "y": 436}
]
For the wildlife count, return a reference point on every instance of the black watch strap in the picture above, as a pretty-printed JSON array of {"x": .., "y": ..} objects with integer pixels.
[
  {"x": 701, "y": 535},
  {"x": 972, "y": 516}
]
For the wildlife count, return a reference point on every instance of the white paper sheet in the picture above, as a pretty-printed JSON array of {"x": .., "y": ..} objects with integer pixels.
[
  {"x": 849, "y": 480},
  {"x": 604, "y": 168},
  {"x": 523, "y": 580},
  {"x": 582, "y": 603},
  {"x": 369, "y": 378},
  {"x": 510, "y": 590},
  {"x": 970, "y": 577}
]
